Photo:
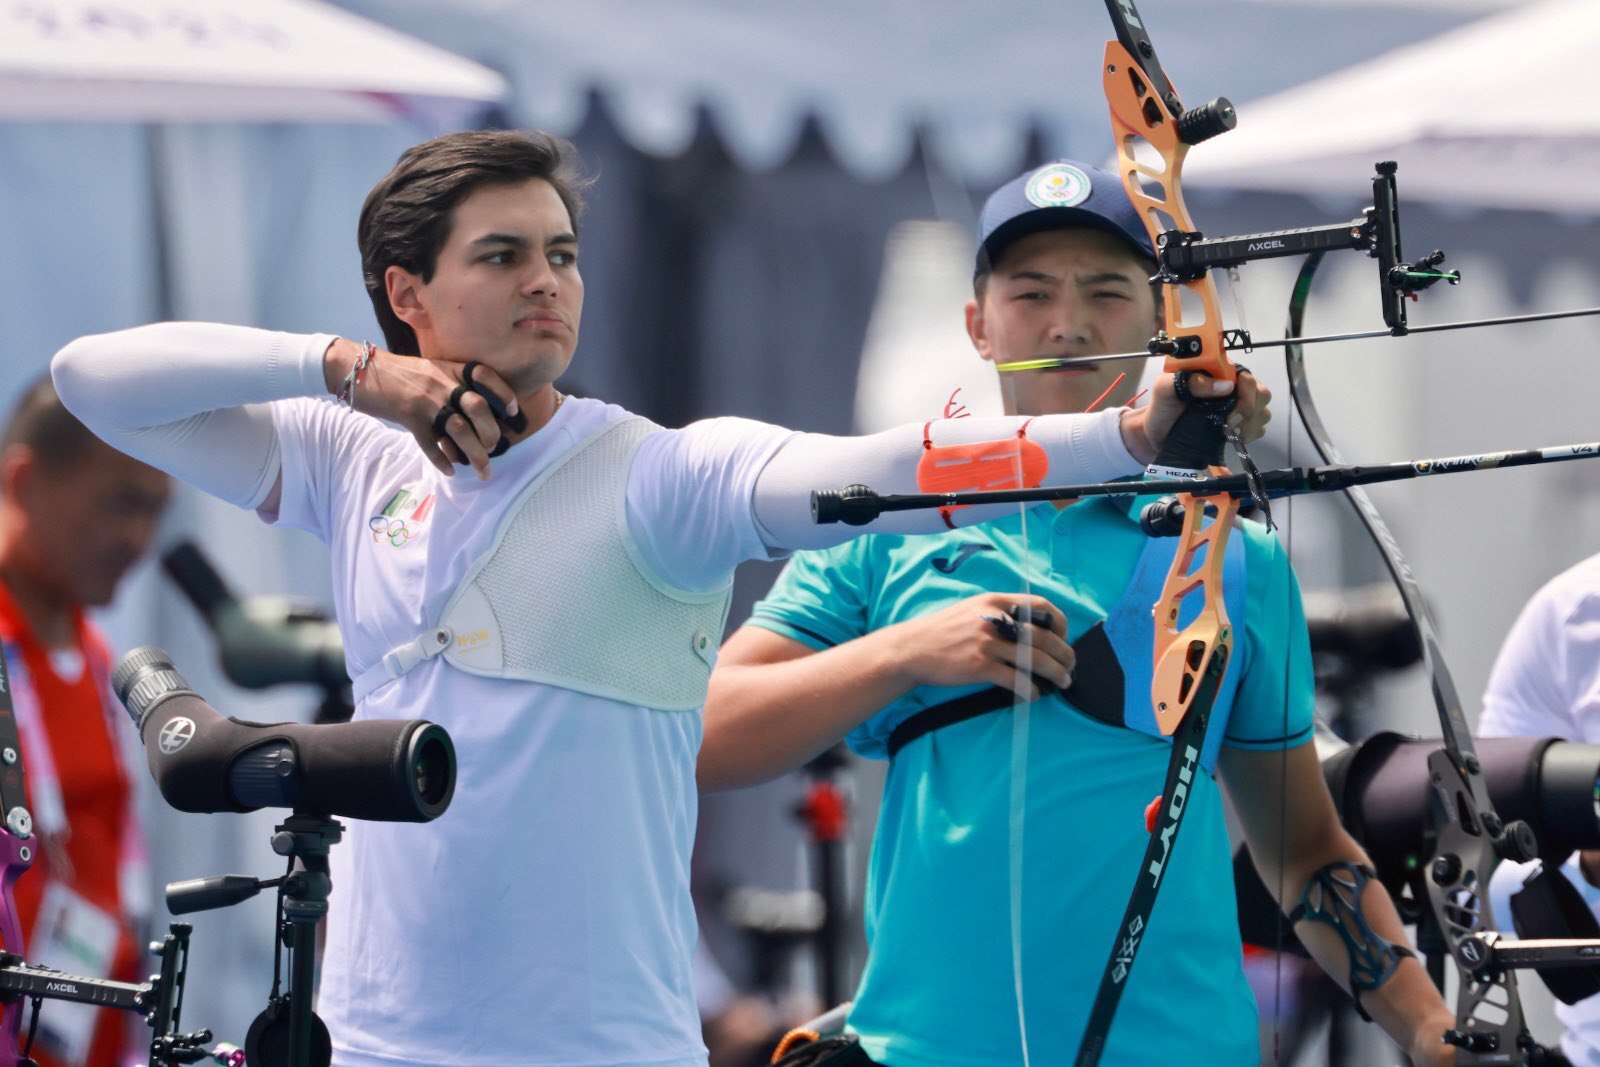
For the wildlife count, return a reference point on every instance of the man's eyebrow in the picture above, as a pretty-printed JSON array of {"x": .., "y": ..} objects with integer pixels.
[
  {"x": 517, "y": 240},
  {"x": 1033, "y": 276},
  {"x": 512, "y": 239},
  {"x": 1101, "y": 277}
]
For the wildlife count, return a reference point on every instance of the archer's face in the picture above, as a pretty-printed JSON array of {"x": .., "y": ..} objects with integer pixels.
[
  {"x": 1064, "y": 293},
  {"x": 506, "y": 290}
]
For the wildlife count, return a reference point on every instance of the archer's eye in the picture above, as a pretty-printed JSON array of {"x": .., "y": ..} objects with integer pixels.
[{"x": 567, "y": 258}]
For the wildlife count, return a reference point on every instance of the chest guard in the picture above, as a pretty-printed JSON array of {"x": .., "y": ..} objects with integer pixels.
[
  {"x": 1130, "y": 636},
  {"x": 1111, "y": 652},
  {"x": 563, "y": 597}
]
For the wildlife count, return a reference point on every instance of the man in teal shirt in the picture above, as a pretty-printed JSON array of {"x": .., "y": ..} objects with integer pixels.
[{"x": 1007, "y": 846}]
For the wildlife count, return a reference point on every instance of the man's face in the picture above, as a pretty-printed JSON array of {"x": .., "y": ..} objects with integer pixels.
[
  {"x": 506, "y": 290},
  {"x": 1078, "y": 292},
  {"x": 88, "y": 520}
]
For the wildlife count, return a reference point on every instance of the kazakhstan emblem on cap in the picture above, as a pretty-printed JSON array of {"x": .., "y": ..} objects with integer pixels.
[{"x": 1058, "y": 185}]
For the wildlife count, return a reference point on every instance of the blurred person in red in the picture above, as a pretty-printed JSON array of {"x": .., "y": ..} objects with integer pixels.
[{"x": 75, "y": 515}]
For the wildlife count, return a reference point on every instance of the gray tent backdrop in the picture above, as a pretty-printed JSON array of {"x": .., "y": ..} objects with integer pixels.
[{"x": 732, "y": 253}]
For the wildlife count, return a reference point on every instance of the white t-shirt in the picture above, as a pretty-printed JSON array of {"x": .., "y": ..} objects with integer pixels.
[
  {"x": 1546, "y": 683},
  {"x": 545, "y": 917}
]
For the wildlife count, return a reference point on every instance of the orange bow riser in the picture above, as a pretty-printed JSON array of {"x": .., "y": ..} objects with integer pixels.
[{"x": 1148, "y": 127}]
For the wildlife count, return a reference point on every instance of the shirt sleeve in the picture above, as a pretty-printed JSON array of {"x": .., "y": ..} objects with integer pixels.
[
  {"x": 690, "y": 499},
  {"x": 1534, "y": 690},
  {"x": 821, "y": 599},
  {"x": 316, "y": 439},
  {"x": 1275, "y": 706},
  {"x": 967, "y": 453},
  {"x": 192, "y": 398}
]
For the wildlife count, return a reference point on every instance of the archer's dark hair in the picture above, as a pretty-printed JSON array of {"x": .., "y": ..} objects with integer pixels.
[
  {"x": 407, "y": 217},
  {"x": 42, "y": 423}
]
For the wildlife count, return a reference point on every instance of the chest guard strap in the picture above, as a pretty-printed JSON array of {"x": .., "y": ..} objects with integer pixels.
[
  {"x": 1107, "y": 654},
  {"x": 1097, "y": 688}
]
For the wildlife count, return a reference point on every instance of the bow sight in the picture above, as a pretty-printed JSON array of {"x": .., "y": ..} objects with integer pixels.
[{"x": 1184, "y": 256}]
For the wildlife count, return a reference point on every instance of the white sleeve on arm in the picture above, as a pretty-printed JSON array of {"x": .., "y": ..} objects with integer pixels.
[
  {"x": 1080, "y": 449},
  {"x": 190, "y": 398},
  {"x": 1530, "y": 693}
]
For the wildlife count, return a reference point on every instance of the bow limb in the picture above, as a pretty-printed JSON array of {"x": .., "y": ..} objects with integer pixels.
[{"x": 1467, "y": 833}]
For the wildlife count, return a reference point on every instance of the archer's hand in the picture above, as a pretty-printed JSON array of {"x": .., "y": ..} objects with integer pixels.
[
  {"x": 959, "y": 645},
  {"x": 411, "y": 392},
  {"x": 1428, "y": 1048},
  {"x": 1144, "y": 429}
]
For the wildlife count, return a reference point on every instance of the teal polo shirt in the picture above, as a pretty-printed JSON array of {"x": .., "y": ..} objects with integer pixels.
[{"x": 941, "y": 987}]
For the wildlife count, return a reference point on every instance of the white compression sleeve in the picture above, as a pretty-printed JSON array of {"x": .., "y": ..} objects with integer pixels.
[
  {"x": 191, "y": 398},
  {"x": 1081, "y": 448}
]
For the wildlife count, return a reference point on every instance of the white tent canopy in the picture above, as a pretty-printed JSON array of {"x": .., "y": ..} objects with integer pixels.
[
  {"x": 969, "y": 84},
  {"x": 1489, "y": 114},
  {"x": 225, "y": 60}
]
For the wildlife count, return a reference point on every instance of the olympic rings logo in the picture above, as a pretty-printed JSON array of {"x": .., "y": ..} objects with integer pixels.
[{"x": 395, "y": 531}]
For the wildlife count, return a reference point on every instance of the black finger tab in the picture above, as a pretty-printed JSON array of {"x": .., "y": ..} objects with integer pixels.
[
  {"x": 1005, "y": 627},
  {"x": 443, "y": 417},
  {"x": 1024, "y": 613},
  {"x": 515, "y": 423},
  {"x": 497, "y": 408}
]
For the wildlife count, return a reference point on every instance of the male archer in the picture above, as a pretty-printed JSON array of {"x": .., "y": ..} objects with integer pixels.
[{"x": 891, "y": 642}]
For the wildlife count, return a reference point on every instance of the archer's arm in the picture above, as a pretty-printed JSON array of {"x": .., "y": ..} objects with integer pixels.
[
  {"x": 193, "y": 399},
  {"x": 775, "y": 702},
  {"x": 1294, "y": 831}
]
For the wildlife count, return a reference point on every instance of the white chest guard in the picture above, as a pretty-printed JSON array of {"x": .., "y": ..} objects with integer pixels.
[{"x": 563, "y": 596}]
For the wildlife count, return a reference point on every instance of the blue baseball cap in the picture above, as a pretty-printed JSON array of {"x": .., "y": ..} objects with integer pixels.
[{"x": 1058, "y": 195}]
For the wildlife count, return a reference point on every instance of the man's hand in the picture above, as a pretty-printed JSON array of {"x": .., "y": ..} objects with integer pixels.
[
  {"x": 1427, "y": 1046},
  {"x": 416, "y": 393},
  {"x": 962, "y": 645},
  {"x": 1144, "y": 429}
]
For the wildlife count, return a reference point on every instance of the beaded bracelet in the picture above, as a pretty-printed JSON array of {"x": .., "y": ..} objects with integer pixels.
[{"x": 358, "y": 371}]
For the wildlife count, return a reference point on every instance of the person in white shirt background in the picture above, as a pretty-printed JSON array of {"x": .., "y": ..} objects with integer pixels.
[{"x": 1546, "y": 683}]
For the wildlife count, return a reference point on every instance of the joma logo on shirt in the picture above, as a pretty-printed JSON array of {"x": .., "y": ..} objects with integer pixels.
[{"x": 966, "y": 550}]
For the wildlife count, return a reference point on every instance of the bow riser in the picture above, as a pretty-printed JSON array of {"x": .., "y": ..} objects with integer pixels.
[
  {"x": 1183, "y": 656},
  {"x": 1139, "y": 116}
]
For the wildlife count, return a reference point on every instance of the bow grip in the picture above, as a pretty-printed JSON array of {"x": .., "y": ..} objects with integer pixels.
[{"x": 1196, "y": 439}]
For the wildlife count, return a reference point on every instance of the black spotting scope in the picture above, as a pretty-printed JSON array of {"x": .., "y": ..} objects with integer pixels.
[
  {"x": 1381, "y": 787},
  {"x": 263, "y": 641},
  {"x": 385, "y": 770}
]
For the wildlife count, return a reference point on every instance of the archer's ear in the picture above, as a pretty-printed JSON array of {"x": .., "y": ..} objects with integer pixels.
[
  {"x": 978, "y": 329},
  {"x": 404, "y": 290}
]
